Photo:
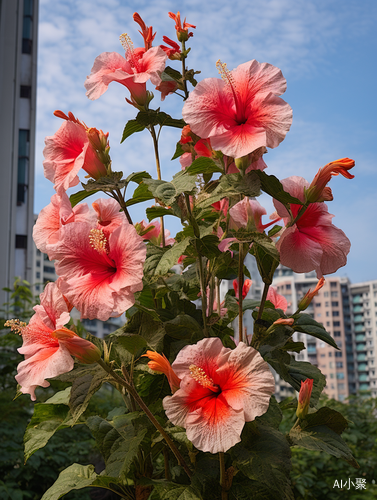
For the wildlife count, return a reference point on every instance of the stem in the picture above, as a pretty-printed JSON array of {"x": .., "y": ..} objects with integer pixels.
[
  {"x": 211, "y": 295},
  {"x": 158, "y": 167},
  {"x": 218, "y": 297},
  {"x": 300, "y": 213},
  {"x": 132, "y": 391},
  {"x": 184, "y": 72},
  {"x": 263, "y": 300},
  {"x": 120, "y": 199},
  {"x": 204, "y": 295},
  {"x": 223, "y": 481},
  {"x": 240, "y": 286},
  {"x": 166, "y": 464}
]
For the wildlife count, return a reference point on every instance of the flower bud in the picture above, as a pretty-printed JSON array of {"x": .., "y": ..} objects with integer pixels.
[
  {"x": 304, "y": 398},
  {"x": 306, "y": 300},
  {"x": 80, "y": 348},
  {"x": 318, "y": 191},
  {"x": 159, "y": 363}
]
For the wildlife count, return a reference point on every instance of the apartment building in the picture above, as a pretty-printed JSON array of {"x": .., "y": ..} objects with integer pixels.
[{"x": 18, "y": 63}]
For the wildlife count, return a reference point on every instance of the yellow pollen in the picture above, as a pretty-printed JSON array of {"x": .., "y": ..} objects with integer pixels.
[
  {"x": 200, "y": 376},
  {"x": 225, "y": 74},
  {"x": 98, "y": 240},
  {"x": 15, "y": 325},
  {"x": 126, "y": 42}
]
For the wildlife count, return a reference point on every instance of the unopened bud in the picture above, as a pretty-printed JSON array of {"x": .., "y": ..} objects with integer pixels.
[
  {"x": 306, "y": 300},
  {"x": 304, "y": 398}
]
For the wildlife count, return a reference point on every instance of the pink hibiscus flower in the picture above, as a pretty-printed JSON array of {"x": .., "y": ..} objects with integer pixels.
[
  {"x": 100, "y": 267},
  {"x": 279, "y": 301},
  {"x": 313, "y": 242},
  {"x": 133, "y": 71},
  {"x": 152, "y": 232},
  {"x": 52, "y": 217},
  {"x": 47, "y": 345},
  {"x": 220, "y": 390},
  {"x": 72, "y": 147},
  {"x": 241, "y": 112}
]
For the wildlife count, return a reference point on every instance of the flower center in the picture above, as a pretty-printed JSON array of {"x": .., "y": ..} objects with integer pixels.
[
  {"x": 131, "y": 56},
  {"x": 200, "y": 376},
  {"x": 16, "y": 325},
  {"x": 98, "y": 241},
  {"x": 230, "y": 84}
]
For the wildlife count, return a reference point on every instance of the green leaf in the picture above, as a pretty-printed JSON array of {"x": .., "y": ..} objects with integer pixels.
[
  {"x": 76, "y": 477},
  {"x": 81, "y": 195},
  {"x": 132, "y": 343},
  {"x": 153, "y": 117},
  {"x": 153, "y": 212},
  {"x": 273, "y": 415},
  {"x": 203, "y": 165},
  {"x": 272, "y": 186},
  {"x": 184, "y": 183},
  {"x": 83, "y": 388},
  {"x": 162, "y": 190},
  {"x": 306, "y": 324},
  {"x": 322, "y": 438},
  {"x": 172, "y": 73},
  {"x": 114, "y": 180},
  {"x": 138, "y": 177},
  {"x": 263, "y": 455},
  {"x": 171, "y": 256},
  {"x": 132, "y": 126},
  {"x": 267, "y": 258},
  {"x": 46, "y": 420},
  {"x": 183, "y": 326},
  {"x": 325, "y": 416},
  {"x": 178, "y": 151},
  {"x": 140, "y": 194},
  {"x": 172, "y": 491},
  {"x": 143, "y": 324},
  {"x": 60, "y": 398}
]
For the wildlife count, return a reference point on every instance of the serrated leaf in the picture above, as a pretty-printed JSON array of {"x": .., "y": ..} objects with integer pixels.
[
  {"x": 183, "y": 183},
  {"x": 171, "y": 256},
  {"x": 132, "y": 343},
  {"x": 107, "y": 183},
  {"x": 46, "y": 420},
  {"x": 183, "y": 326},
  {"x": 321, "y": 438},
  {"x": 81, "y": 195},
  {"x": 203, "y": 165},
  {"x": 132, "y": 126},
  {"x": 83, "y": 389},
  {"x": 272, "y": 186},
  {"x": 306, "y": 324}
]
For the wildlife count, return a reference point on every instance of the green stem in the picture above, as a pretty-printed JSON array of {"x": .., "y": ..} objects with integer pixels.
[
  {"x": 132, "y": 391},
  {"x": 120, "y": 199},
  {"x": 224, "y": 493},
  {"x": 263, "y": 300},
  {"x": 158, "y": 167},
  {"x": 183, "y": 45},
  {"x": 218, "y": 297},
  {"x": 166, "y": 464},
  {"x": 300, "y": 213},
  {"x": 204, "y": 295},
  {"x": 240, "y": 286}
]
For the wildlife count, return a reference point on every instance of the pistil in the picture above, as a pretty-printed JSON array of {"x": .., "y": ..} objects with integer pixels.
[{"x": 200, "y": 376}]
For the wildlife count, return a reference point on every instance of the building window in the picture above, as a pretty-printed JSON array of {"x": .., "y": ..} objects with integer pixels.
[
  {"x": 335, "y": 313},
  {"x": 333, "y": 284},
  {"x": 21, "y": 241},
  {"x": 288, "y": 286},
  {"x": 338, "y": 354},
  {"x": 334, "y": 294},
  {"x": 340, "y": 375},
  {"x": 318, "y": 304},
  {"x": 38, "y": 253},
  {"x": 336, "y": 323},
  {"x": 27, "y": 27},
  {"x": 335, "y": 304},
  {"x": 38, "y": 263},
  {"x": 48, "y": 269},
  {"x": 25, "y": 91},
  {"x": 38, "y": 275},
  {"x": 326, "y": 294},
  {"x": 327, "y": 313},
  {"x": 23, "y": 164},
  {"x": 339, "y": 364},
  {"x": 337, "y": 333}
]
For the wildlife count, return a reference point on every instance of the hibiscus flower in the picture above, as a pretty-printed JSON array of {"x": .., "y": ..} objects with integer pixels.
[
  {"x": 47, "y": 345},
  {"x": 279, "y": 301},
  {"x": 241, "y": 112},
  {"x": 220, "y": 390},
  {"x": 313, "y": 242},
  {"x": 100, "y": 267},
  {"x": 72, "y": 147}
]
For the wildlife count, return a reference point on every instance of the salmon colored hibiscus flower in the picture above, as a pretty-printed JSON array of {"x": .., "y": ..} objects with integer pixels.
[
  {"x": 72, "y": 147},
  {"x": 279, "y": 301},
  {"x": 220, "y": 390},
  {"x": 313, "y": 242},
  {"x": 47, "y": 345},
  {"x": 100, "y": 267},
  {"x": 241, "y": 112}
]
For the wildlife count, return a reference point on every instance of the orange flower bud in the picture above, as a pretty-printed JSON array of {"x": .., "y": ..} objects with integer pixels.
[
  {"x": 317, "y": 190},
  {"x": 306, "y": 300},
  {"x": 304, "y": 398},
  {"x": 82, "y": 349},
  {"x": 159, "y": 363},
  {"x": 284, "y": 321}
]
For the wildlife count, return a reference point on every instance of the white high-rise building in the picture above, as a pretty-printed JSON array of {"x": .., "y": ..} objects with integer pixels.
[{"x": 18, "y": 63}]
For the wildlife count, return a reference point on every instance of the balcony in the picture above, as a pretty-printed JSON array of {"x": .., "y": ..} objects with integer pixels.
[
  {"x": 362, "y": 367},
  {"x": 361, "y": 357},
  {"x": 357, "y": 299},
  {"x": 357, "y": 309},
  {"x": 359, "y": 328},
  {"x": 358, "y": 318},
  {"x": 360, "y": 337},
  {"x": 361, "y": 347},
  {"x": 364, "y": 387}
]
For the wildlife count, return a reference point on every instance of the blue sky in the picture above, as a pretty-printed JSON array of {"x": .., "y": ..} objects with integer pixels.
[{"x": 326, "y": 50}]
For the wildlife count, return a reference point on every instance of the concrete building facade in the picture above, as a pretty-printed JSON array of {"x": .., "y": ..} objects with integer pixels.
[{"x": 18, "y": 63}]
